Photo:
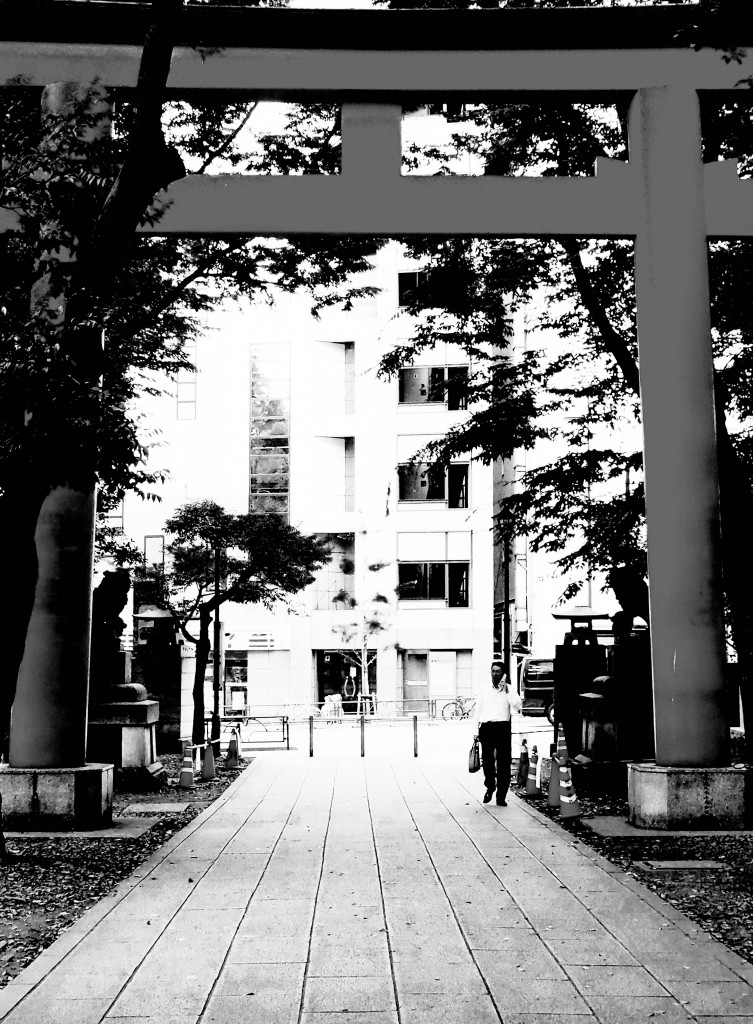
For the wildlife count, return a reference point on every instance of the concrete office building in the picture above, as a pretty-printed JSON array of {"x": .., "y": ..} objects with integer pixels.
[{"x": 287, "y": 413}]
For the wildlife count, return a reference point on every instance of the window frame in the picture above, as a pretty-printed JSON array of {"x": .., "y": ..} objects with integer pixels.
[
  {"x": 446, "y": 399},
  {"x": 420, "y": 277},
  {"x": 426, "y": 578},
  {"x": 444, "y": 501}
]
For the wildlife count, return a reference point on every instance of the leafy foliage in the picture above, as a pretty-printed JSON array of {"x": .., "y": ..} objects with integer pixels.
[
  {"x": 262, "y": 558},
  {"x": 217, "y": 557},
  {"x": 574, "y": 379},
  {"x": 45, "y": 371}
]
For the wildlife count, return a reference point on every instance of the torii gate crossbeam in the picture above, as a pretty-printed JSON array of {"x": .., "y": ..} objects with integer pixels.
[{"x": 663, "y": 197}]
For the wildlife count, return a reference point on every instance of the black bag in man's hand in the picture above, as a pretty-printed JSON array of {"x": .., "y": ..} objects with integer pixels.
[{"x": 474, "y": 757}]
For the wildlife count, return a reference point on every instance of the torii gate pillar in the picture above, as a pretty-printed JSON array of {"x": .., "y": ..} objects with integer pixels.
[{"x": 690, "y": 782}]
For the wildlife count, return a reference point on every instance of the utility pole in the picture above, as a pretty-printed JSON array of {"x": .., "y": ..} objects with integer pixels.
[{"x": 506, "y": 644}]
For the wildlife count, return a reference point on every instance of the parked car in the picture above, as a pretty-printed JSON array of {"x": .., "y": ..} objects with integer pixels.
[{"x": 537, "y": 686}]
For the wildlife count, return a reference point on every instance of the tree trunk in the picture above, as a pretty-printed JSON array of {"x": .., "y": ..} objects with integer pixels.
[
  {"x": 149, "y": 166},
  {"x": 203, "y": 648},
  {"x": 48, "y": 727},
  {"x": 50, "y": 707},
  {"x": 19, "y": 511},
  {"x": 3, "y": 850}
]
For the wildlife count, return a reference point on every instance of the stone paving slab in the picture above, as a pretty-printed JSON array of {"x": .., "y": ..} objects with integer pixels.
[
  {"x": 381, "y": 890},
  {"x": 683, "y": 865},
  {"x": 157, "y": 808},
  {"x": 123, "y": 827},
  {"x": 618, "y": 827}
]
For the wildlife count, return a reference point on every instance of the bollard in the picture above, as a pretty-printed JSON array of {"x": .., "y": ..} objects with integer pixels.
[
  {"x": 311, "y": 736},
  {"x": 362, "y": 736},
  {"x": 185, "y": 780},
  {"x": 415, "y": 735}
]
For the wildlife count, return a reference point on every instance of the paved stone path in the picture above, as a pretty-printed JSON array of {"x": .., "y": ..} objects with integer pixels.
[{"x": 378, "y": 891}]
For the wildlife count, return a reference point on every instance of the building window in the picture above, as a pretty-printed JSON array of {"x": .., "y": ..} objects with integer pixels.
[
  {"x": 408, "y": 284},
  {"x": 350, "y": 378},
  {"x": 334, "y": 582},
  {"x": 115, "y": 517},
  {"x": 269, "y": 429},
  {"x": 420, "y": 481},
  {"x": 349, "y": 451},
  {"x": 434, "y": 385},
  {"x": 185, "y": 387},
  {"x": 154, "y": 551},
  {"x": 434, "y": 581},
  {"x": 451, "y": 112},
  {"x": 457, "y": 485}
]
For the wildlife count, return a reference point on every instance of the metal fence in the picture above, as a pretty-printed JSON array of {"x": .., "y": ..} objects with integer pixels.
[{"x": 370, "y": 706}]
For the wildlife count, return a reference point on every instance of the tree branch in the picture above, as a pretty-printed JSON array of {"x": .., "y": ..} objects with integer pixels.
[
  {"x": 229, "y": 140},
  {"x": 150, "y": 317},
  {"x": 614, "y": 342},
  {"x": 150, "y": 163}
]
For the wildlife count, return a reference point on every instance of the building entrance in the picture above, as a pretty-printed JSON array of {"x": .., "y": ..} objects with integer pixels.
[{"x": 336, "y": 674}]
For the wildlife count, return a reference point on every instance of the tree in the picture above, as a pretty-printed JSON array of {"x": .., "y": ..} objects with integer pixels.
[
  {"x": 369, "y": 620},
  {"x": 79, "y": 183},
  {"x": 260, "y": 558}
]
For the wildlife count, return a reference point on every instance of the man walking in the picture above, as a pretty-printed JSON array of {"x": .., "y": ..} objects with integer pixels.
[{"x": 493, "y": 727}]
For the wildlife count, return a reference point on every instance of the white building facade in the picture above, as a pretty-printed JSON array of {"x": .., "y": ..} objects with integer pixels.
[{"x": 286, "y": 413}]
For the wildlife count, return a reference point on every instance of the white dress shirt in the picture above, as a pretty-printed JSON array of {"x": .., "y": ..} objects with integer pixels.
[{"x": 496, "y": 705}]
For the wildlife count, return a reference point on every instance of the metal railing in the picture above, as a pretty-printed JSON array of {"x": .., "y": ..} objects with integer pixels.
[
  {"x": 371, "y": 707},
  {"x": 362, "y": 719}
]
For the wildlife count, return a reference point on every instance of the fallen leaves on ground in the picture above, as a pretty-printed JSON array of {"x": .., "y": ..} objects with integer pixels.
[{"x": 50, "y": 882}]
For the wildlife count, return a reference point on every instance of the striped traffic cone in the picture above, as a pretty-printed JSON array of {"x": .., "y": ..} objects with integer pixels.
[
  {"x": 532, "y": 787},
  {"x": 186, "y": 769},
  {"x": 569, "y": 806},
  {"x": 553, "y": 793},
  {"x": 562, "y": 755},
  {"x": 232, "y": 757},
  {"x": 207, "y": 768}
]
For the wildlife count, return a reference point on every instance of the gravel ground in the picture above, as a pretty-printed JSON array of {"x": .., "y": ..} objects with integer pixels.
[
  {"x": 719, "y": 900},
  {"x": 48, "y": 883}
]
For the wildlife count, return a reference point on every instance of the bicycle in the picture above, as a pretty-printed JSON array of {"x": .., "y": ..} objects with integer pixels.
[{"x": 460, "y": 707}]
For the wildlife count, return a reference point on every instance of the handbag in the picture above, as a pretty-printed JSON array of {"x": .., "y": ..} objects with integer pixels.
[{"x": 474, "y": 757}]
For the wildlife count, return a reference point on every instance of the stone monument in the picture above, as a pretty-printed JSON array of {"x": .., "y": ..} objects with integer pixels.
[{"x": 122, "y": 720}]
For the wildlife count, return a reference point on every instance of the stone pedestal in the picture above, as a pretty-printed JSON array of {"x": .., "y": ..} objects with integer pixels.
[
  {"x": 687, "y": 798},
  {"x": 57, "y": 798},
  {"x": 598, "y": 717},
  {"x": 124, "y": 733}
]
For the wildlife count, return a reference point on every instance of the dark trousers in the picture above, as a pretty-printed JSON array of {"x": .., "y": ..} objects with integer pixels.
[{"x": 496, "y": 754}]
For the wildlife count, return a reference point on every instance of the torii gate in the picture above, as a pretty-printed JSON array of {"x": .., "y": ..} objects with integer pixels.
[{"x": 664, "y": 197}]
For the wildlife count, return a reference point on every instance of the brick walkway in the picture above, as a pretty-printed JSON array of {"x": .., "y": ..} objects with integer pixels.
[{"x": 382, "y": 887}]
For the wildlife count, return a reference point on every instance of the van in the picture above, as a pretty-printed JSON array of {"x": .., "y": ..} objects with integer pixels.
[{"x": 537, "y": 686}]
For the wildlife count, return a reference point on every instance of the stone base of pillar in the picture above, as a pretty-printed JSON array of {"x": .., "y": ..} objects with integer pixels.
[
  {"x": 123, "y": 733},
  {"x": 55, "y": 799},
  {"x": 687, "y": 798}
]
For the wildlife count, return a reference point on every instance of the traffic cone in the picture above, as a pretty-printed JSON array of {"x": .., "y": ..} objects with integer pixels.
[
  {"x": 207, "y": 767},
  {"x": 553, "y": 793},
  {"x": 562, "y": 755},
  {"x": 186, "y": 769},
  {"x": 233, "y": 756},
  {"x": 520, "y": 781},
  {"x": 532, "y": 789},
  {"x": 569, "y": 806}
]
